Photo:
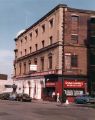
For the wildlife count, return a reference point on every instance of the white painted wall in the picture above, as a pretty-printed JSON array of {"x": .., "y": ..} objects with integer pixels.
[{"x": 35, "y": 84}]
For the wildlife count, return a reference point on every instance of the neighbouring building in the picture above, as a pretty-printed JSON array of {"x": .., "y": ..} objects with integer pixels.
[{"x": 55, "y": 53}]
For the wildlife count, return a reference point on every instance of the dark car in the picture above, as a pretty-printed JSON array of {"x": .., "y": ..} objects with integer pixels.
[
  {"x": 83, "y": 99},
  {"x": 5, "y": 96},
  {"x": 23, "y": 97}
]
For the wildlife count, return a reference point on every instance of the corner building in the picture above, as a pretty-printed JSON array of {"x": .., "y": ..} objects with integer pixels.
[{"x": 58, "y": 44}]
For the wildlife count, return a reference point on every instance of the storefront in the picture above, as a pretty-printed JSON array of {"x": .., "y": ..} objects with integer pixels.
[{"x": 72, "y": 86}]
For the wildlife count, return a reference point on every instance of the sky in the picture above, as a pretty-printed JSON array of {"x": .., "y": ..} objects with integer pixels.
[{"x": 16, "y": 15}]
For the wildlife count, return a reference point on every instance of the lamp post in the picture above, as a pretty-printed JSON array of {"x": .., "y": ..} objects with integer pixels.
[{"x": 63, "y": 64}]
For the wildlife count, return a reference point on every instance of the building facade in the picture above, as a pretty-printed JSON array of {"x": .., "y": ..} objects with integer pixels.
[{"x": 53, "y": 54}]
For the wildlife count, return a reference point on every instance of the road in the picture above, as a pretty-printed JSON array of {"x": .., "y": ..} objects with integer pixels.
[{"x": 12, "y": 110}]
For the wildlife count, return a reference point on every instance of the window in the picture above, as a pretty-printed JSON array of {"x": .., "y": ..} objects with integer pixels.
[
  {"x": 24, "y": 67},
  {"x": 51, "y": 23},
  {"x": 74, "y": 60},
  {"x": 30, "y": 49},
  {"x": 26, "y": 38},
  {"x": 29, "y": 63},
  {"x": 74, "y": 22},
  {"x": 25, "y": 51},
  {"x": 20, "y": 68},
  {"x": 43, "y": 28},
  {"x": 36, "y": 31},
  {"x": 75, "y": 18},
  {"x": 51, "y": 40},
  {"x": 43, "y": 43},
  {"x": 21, "y": 41},
  {"x": 74, "y": 38},
  {"x": 42, "y": 63},
  {"x": 50, "y": 62},
  {"x": 21, "y": 53},
  {"x": 30, "y": 35},
  {"x": 36, "y": 47},
  {"x": 35, "y": 61},
  {"x": 67, "y": 61}
]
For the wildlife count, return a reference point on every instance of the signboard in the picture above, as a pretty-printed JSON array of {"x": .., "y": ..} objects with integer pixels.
[
  {"x": 50, "y": 84},
  {"x": 74, "y": 84},
  {"x": 33, "y": 67}
]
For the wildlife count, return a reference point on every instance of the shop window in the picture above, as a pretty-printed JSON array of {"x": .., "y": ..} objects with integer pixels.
[{"x": 74, "y": 60}]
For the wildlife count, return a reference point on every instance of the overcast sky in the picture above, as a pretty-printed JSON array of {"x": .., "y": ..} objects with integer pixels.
[{"x": 16, "y": 15}]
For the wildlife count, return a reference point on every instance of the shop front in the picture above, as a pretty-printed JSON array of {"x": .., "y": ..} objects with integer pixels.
[{"x": 72, "y": 88}]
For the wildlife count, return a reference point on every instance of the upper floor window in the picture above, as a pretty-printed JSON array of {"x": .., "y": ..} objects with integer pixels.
[
  {"x": 50, "y": 40},
  {"x": 51, "y": 23},
  {"x": 35, "y": 61},
  {"x": 75, "y": 18},
  {"x": 43, "y": 44},
  {"x": 74, "y": 24},
  {"x": 36, "y": 47},
  {"x": 50, "y": 63},
  {"x": 21, "y": 53},
  {"x": 24, "y": 67},
  {"x": 20, "y": 68},
  {"x": 74, "y": 38},
  {"x": 42, "y": 63},
  {"x": 25, "y": 51},
  {"x": 21, "y": 41},
  {"x": 30, "y": 35},
  {"x": 30, "y": 49},
  {"x": 43, "y": 28},
  {"x": 74, "y": 60},
  {"x": 26, "y": 38},
  {"x": 36, "y": 32}
]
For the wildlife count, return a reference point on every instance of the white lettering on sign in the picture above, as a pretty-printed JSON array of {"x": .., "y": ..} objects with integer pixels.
[{"x": 73, "y": 84}]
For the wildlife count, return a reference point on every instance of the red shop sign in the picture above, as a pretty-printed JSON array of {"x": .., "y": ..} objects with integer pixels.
[{"x": 74, "y": 84}]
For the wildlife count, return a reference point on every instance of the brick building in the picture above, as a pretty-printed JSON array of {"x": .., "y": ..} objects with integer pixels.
[{"x": 55, "y": 50}]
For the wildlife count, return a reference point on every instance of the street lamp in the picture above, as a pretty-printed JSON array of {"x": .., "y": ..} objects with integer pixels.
[{"x": 63, "y": 64}]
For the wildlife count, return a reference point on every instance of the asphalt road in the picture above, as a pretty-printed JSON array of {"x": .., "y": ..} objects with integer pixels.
[{"x": 12, "y": 110}]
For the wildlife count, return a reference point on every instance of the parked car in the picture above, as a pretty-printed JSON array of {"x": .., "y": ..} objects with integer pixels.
[
  {"x": 5, "y": 96},
  {"x": 23, "y": 97},
  {"x": 83, "y": 99},
  {"x": 13, "y": 96}
]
